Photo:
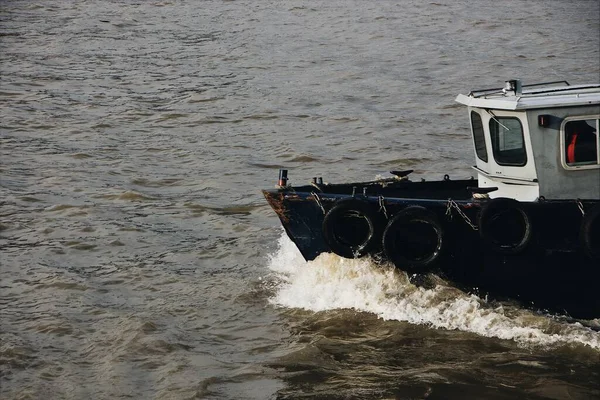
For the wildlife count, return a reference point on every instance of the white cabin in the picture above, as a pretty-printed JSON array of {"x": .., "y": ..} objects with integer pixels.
[{"x": 537, "y": 140}]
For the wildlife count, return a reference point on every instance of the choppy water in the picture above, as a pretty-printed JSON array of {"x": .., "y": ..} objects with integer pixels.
[{"x": 138, "y": 258}]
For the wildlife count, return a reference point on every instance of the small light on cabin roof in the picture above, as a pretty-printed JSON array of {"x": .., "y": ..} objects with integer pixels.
[{"x": 512, "y": 87}]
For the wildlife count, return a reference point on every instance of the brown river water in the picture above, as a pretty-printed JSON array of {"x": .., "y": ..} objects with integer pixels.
[{"x": 138, "y": 258}]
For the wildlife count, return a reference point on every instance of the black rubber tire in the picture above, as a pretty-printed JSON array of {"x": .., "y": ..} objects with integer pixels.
[
  {"x": 590, "y": 233},
  {"x": 351, "y": 228},
  {"x": 504, "y": 226},
  {"x": 413, "y": 239}
]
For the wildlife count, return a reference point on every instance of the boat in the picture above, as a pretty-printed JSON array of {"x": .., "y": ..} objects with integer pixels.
[{"x": 525, "y": 229}]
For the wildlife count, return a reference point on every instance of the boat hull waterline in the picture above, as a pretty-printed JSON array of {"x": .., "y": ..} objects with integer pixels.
[{"x": 542, "y": 254}]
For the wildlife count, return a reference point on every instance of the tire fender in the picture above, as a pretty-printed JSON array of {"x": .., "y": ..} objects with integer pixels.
[
  {"x": 590, "y": 233},
  {"x": 413, "y": 239},
  {"x": 351, "y": 228},
  {"x": 505, "y": 226}
]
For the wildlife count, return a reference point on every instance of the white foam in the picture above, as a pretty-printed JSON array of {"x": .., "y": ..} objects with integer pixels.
[{"x": 331, "y": 282}]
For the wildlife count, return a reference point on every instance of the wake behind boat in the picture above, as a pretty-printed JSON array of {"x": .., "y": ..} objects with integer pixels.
[{"x": 528, "y": 228}]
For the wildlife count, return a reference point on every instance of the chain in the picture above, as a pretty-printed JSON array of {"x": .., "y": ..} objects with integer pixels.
[
  {"x": 382, "y": 206},
  {"x": 452, "y": 204},
  {"x": 318, "y": 200},
  {"x": 580, "y": 207}
]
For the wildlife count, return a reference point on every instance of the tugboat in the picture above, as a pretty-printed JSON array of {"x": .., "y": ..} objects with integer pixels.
[{"x": 526, "y": 229}]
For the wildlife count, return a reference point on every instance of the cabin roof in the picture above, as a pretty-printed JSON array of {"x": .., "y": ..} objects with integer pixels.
[{"x": 540, "y": 95}]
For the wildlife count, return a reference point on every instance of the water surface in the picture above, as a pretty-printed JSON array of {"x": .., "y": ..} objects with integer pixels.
[{"x": 138, "y": 258}]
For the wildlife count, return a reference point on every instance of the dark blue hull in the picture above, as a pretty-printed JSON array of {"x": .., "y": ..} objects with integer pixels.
[{"x": 551, "y": 268}]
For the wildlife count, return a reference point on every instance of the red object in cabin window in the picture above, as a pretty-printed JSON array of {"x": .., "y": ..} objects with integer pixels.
[{"x": 571, "y": 149}]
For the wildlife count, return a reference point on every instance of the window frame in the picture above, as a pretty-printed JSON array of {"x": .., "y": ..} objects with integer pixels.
[
  {"x": 481, "y": 137},
  {"x": 497, "y": 119},
  {"x": 563, "y": 150}
]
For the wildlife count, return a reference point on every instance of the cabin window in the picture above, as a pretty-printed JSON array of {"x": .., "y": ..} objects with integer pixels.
[
  {"x": 580, "y": 143},
  {"x": 508, "y": 144},
  {"x": 478, "y": 137}
]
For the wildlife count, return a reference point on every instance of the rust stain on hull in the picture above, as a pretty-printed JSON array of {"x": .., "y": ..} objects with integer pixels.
[{"x": 276, "y": 203}]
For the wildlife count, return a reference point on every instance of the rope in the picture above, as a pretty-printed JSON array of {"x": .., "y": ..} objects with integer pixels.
[
  {"x": 452, "y": 204},
  {"x": 318, "y": 200},
  {"x": 316, "y": 186},
  {"x": 580, "y": 205},
  {"x": 382, "y": 206}
]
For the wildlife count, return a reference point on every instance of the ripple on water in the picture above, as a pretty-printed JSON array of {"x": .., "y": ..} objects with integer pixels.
[
  {"x": 129, "y": 195},
  {"x": 156, "y": 183},
  {"x": 199, "y": 209}
]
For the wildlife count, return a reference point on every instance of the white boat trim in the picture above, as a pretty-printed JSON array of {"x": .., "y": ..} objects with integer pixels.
[{"x": 563, "y": 96}]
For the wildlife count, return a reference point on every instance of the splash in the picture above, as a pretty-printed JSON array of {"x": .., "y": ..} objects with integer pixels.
[{"x": 331, "y": 282}]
